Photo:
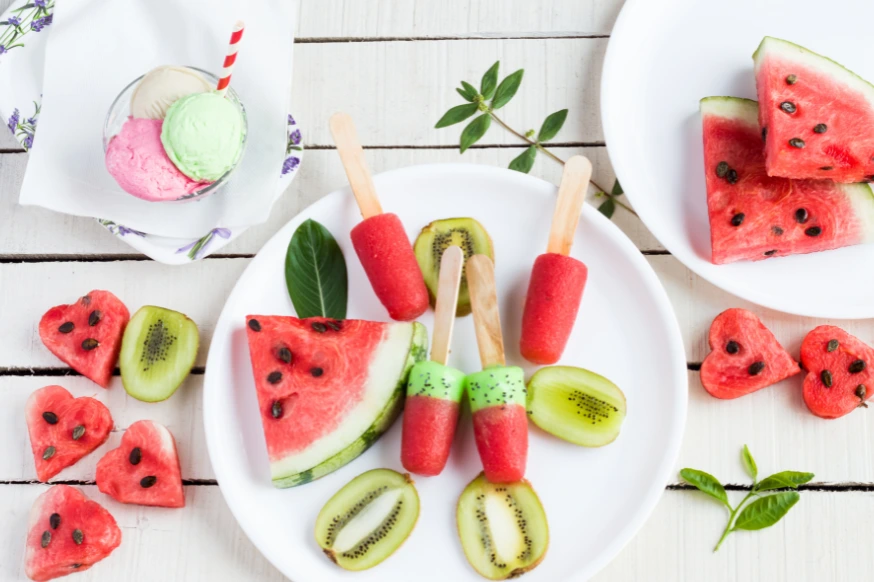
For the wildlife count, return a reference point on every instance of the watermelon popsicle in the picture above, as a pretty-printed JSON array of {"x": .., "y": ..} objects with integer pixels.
[
  {"x": 380, "y": 241},
  {"x": 557, "y": 279},
  {"x": 497, "y": 394},
  {"x": 434, "y": 390}
]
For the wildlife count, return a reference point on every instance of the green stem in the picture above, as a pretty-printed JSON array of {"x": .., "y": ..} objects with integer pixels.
[{"x": 728, "y": 526}]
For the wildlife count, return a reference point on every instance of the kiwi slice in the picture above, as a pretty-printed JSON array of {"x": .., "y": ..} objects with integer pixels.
[
  {"x": 368, "y": 519},
  {"x": 502, "y": 527},
  {"x": 157, "y": 352},
  {"x": 576, "y": 405},
  {"x": 438, "y": 236}
]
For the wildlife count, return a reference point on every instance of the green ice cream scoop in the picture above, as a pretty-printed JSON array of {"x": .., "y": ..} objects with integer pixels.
[
  {"x": 203, "y": 135},
  {"x": 496, "y": 386},
  {"x": 436, "y": 380}
]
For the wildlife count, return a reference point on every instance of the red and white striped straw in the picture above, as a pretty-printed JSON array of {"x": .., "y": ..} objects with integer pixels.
[{"x": 231, "y": 58}]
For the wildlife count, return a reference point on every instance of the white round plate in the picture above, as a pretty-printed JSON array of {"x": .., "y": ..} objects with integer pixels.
[
  {"x": 595, "y": 499},
  {"x": 663, "y": 57}
]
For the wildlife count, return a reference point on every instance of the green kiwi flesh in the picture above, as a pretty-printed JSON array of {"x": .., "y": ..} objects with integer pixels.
[
  {"x": 576, "y": 405},
  {"x": 502, "y": 527},
  {"x": 158, "y": 349},
  {"x": 368, "y": 519},
  {"x": 438, "y": 236}
]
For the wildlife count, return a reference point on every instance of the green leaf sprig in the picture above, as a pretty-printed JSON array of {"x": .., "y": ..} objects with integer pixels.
[
  {"x": 315, "y": 273},
  {"x": 493, "y": 96},
  {"x": 765, "y": 510}
]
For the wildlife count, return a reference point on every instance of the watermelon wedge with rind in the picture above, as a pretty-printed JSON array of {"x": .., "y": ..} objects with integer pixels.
[
  {"x": 818, "y": 116},
  {"x": 754, "y": 216},
  {"x": 327, "y": 389}
]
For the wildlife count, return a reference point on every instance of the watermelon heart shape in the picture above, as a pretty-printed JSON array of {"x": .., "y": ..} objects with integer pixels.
[
  {"x": 67, "y": 533},
  {"x": 86, "y": 335},
  {"x": 145, "y": 469},
  {"x": 63, "y": 429},
  {"x": 746, "y": 356},
  {"x": 839, "y": 377}
]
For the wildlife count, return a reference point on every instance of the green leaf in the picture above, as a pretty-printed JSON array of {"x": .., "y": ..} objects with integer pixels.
[
  {"x": 507, "y": 89},
  {"x": 457, "y": 114},
  {"x": 464, "y": 94},
  {"x": 706, "y": 483},
  {"x": 551, "y": 125},
  {"x": 467, "y": 91},
  {"x": 525, "y": 161},
  {"x": 749, "y": 463},
  {"x": 475, "y": 130},
  {"x": 766, "y": 511},
  {"x": 783, "y": 480},
  {"x": 617, "y": 189},
  {"x": 607, "y": 208},
  {"x": 490, "y": 81},
  {"x": 315, "y": 273}
]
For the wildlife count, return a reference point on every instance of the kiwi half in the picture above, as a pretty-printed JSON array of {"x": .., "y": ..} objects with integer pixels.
[
  {"x": 368, "y": 519},
  {"x": 158, "y": 349},
  {"x": 502, "y": 527},
  {"x": 438, "y": 236},
  {"x": 576, "y": 405}
]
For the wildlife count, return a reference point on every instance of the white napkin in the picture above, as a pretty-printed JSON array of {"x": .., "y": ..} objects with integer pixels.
[{"x": 97, "y": 47}]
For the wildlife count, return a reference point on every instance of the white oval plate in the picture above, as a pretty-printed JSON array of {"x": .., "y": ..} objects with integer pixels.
[
  {"x": 595, "y": 499},
  {"x": 663, "y": 57}
]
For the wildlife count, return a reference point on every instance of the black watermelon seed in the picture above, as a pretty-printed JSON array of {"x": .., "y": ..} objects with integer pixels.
[
  {"x": 95, "y": 317},
  {"x": 284, "y": 355},
  {"x": 319, "y": 327},
  {"x": 316, "y": 372},
  {"x": 764, "y": 133},
  {"x": 78, "y": 432},
  {"x": 796, "y": 142},
  {"x": 147, "y": 482},
  {"x": 826, "y": 378},
  {"x": 826, "y": 168},
  {"x": 89, "y": 344},
  {"x": 55, "y": 520},
  {"x": 857, "y": 366},
  {"x": 820, "y": 128},
  {"x": 274, "y": 377},
  {"x": 136, "y": 455},
  {"x": 731, "y": 176},
  {"x": 777, "y": 230},
  {"x": 732, "y": 347},
  {"x": 86, "y": 300},
  {"x": 738, "y": 219},
  {"x": 791, "y": 79},
  {"x": 66, "y": 327},
  {"x": 50, "y": 417},
  {"x": 788, "y": 107},
  {"x": 832, "y": 345},
  {"x": 756, "y": 368},
  {"x": 335, "y": 325},
  {"x": 771, "y": 253},
  {"x": 78, "y": 536},
  {"x": 813, "y": 231},
  {"x": 276, "y": 409},
  {"x": 48, "y": 453},
  {"x": 46, "y": 539},
  {"x": 861, "y": 391},
  {"x": 75, "y": 566},
  {"x": 254, "y": 325},
  {"x": 801, "y": 216},
  {"x": 722, "y": 169}
]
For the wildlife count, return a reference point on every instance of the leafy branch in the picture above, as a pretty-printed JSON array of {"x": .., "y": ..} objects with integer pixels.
[
  {"x": 493, "y": 96},
  {"x": 764, "y": 511}
]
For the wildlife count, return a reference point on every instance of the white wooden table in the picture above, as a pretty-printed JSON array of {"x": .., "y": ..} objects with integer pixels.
[{"x": 393, "y": 64}]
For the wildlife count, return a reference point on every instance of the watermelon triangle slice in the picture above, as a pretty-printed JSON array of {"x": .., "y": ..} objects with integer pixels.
[
  {"x": 754, "y": 216},
  {"x": 67, "y": 533},
  {"x": 818, "y": 116},
  {"x": 327, "y": 389}
]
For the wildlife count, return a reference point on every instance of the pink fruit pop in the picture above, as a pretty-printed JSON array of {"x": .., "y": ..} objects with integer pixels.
[
  {"x": 557, "y": 280},
  {"x": 380, "y": 241}
]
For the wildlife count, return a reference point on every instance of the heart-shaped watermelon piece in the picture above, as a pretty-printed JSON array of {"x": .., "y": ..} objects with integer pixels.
[
  {"x": 86, "y": 335},
  {"x": 839, "y": 376},
  {"x": 746, "y": 356},
  {"x": 63, "y": 429},
  {"x": 67, "y": 533},
  {"x": 145, "y": 469}
]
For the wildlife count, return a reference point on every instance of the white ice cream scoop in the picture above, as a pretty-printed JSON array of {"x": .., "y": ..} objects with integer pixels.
[{"x": 161, "y": 87}]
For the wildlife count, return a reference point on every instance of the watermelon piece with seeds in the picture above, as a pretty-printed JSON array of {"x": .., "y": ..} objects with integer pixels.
[
  {"x": 817, "y": 116},
  {"x": 754, "y": 216},
  {"x": 327, "y": 389},
  {"x": 840, "y": 372}
]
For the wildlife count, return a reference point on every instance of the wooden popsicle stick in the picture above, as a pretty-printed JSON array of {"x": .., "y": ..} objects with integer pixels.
[
  {"x": 486, "y": 317},
  {"x": 352, "y": 156},
  {"x": 451, "y": 265},
  {"x": 571, "y": 194}
]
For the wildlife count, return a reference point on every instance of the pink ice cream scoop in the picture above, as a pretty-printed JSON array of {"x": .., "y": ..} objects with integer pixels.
[{"x": 137, "y": 160}]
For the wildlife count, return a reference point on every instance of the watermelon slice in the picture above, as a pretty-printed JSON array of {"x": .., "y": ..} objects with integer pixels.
[
  {"x": 327, "y": 389},
  {"x": 63, "y": 429},
  {"x": 144, "y": 469},
  {"x": 86, "y": 335},
  {"x": 746, "y": 356},
  {"x": 840, "y": 377},
  {"x": 817, "y": 116},
  {"x": 754, "y": 216},
  {"x": 67, "y": 533}
]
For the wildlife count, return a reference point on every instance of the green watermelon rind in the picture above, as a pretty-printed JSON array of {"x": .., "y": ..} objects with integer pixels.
[
  {"x": 731, "y": 108},
  {"x": 418, "y": 352}
]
